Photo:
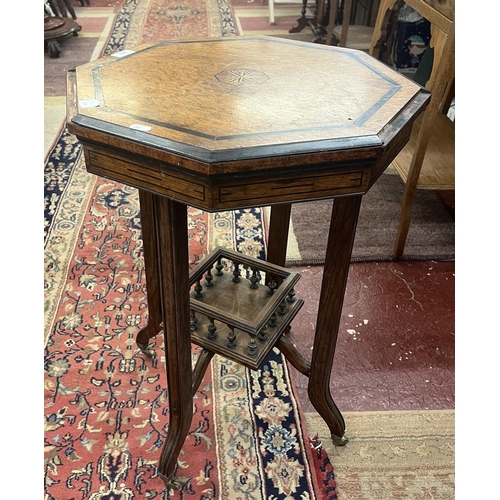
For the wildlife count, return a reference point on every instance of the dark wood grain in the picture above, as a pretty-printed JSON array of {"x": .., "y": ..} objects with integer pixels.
[
  {"x": 338, "y": 254},
  {"x": 173, "y": 263},
  {"x": 278, "y": 233},
  {"x": 149, "y": 221}
]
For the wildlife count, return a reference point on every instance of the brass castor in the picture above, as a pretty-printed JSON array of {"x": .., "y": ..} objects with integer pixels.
[
  {"x": 339, "y": 441},
  {"x": 147, "y": 350},
  {"x": 174, "y": 483}
]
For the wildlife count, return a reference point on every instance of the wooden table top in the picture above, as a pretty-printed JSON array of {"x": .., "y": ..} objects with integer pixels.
[
  {"x": 221, "y": 123},
  {"x": 205, "y": 98}
]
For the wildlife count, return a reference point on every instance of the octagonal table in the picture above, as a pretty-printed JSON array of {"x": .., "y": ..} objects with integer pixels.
[{"x": 231, "y": 123}]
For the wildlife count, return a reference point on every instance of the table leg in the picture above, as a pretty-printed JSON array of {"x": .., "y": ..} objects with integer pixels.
[
  {"x": 338, "y": 256},
  {"x": 150, "y": 243},
  {"x": 278, "y": 233},
  {"x": 279, "y": 226},
  {"x": 174, "y": 285}
]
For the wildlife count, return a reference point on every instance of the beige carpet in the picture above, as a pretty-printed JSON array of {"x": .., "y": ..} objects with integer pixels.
[{"x": 390, "y": 455}]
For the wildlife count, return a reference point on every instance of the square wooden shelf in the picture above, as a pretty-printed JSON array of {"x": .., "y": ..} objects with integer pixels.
[{"x": 233, "y": 313}]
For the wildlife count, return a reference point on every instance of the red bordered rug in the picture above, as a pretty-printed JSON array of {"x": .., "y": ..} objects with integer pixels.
[{"x": 106, "y": 404}]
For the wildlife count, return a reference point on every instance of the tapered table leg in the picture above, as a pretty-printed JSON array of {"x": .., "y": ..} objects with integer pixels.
[
  {"x": 338, "y": 256},
  {"x": 279, "y": 227},
  {"x": 278, "y": 233},
  {"x": 150, "y": 250},
  {"x": 174, "y": 284}
]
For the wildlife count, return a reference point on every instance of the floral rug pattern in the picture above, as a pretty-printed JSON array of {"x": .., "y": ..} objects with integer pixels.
[{"x": 106, "y": 403}]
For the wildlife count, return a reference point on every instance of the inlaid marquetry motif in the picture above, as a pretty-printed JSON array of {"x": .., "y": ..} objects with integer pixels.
[{"x": 242, "y": 77}]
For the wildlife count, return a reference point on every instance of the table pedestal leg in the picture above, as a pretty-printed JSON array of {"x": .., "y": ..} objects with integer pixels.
[
  {"x": 278, "y": 233},
  {"x": 174, "y": 287},
  {"x": 302, "y": 20},
  {"x": 149, "y": 240},
  {"x": 338, "y": 256},
  {"x": 166, "y": 244}
]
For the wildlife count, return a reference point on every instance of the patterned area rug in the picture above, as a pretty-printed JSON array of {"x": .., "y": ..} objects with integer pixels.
[{"x": 106, "y": 404}]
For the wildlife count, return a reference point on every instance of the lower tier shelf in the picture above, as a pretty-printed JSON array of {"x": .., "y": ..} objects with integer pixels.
[
  {"x": 240, "y": 305},
  {"x": 239, "y": 350}
]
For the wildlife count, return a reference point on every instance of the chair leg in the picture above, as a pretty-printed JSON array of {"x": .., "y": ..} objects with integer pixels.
[
  {"x": 271, "y": 12},
  {"x": 346, "y": 18},
  {"x": 444, "y": 47},
  {"x": 331, "y": 24},
  {"x": 406, "y": 208}
]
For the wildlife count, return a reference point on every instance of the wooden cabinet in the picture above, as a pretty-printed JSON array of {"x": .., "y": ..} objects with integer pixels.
[{"x": 428, "y": 160}]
